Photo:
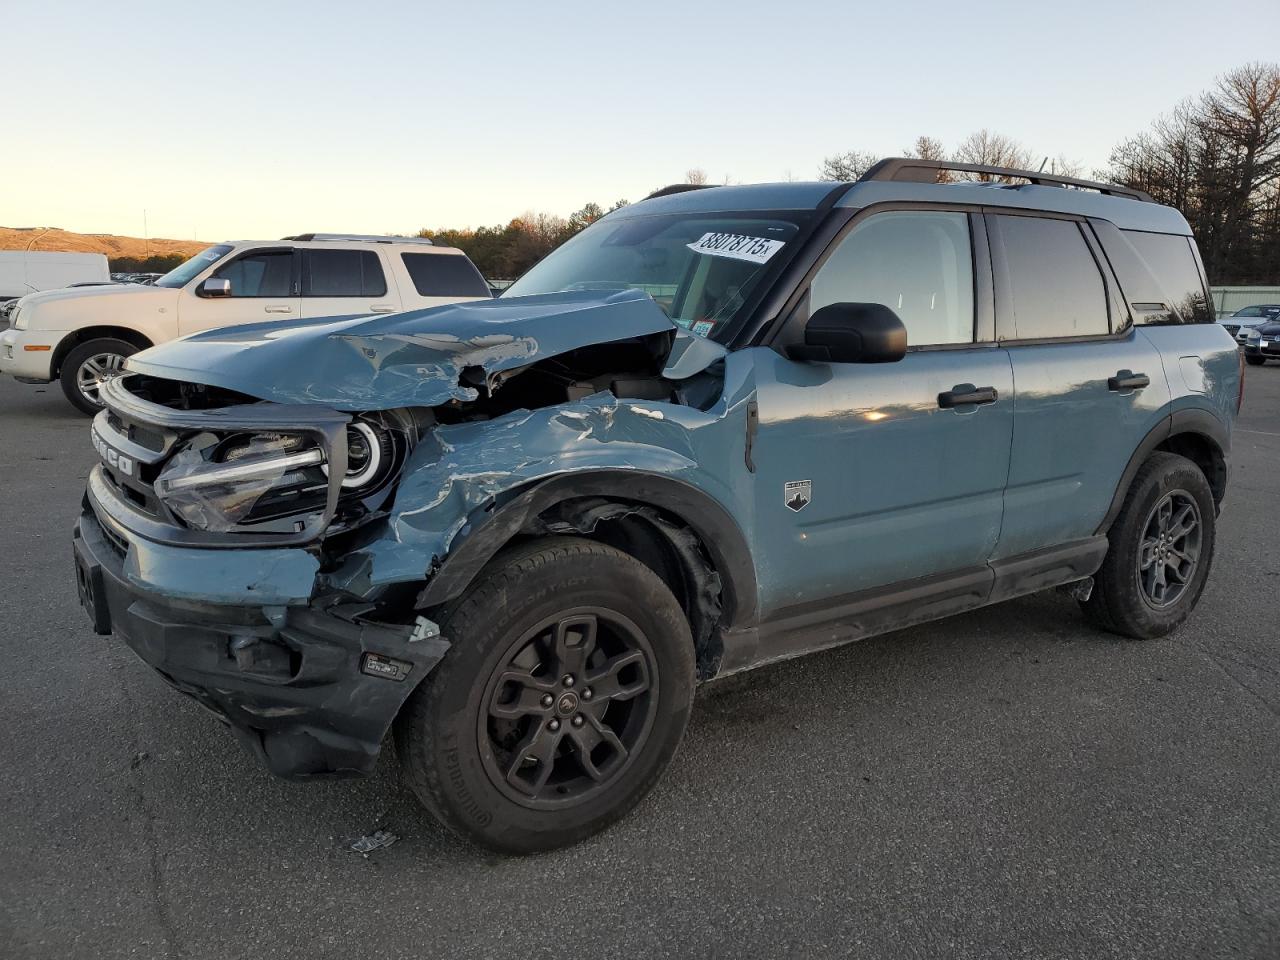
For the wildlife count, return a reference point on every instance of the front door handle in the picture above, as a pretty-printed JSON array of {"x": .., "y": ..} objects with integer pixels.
[
  {"x": 277, "y": 308},
  {"x": 967, "y": 393},
  {"x": 382, "y": 308},
  {"x": 1128, "y": 380}
]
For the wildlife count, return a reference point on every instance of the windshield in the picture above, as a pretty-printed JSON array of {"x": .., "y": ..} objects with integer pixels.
[
  {"x": 181, "y": 274},
  {"x": 699, "y": 268}
]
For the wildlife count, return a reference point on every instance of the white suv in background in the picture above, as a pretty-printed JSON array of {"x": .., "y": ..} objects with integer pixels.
[{"x": 79, "y": 336}]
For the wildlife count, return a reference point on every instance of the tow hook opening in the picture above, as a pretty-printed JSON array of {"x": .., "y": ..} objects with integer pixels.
[{"x": 265, "y": 658}]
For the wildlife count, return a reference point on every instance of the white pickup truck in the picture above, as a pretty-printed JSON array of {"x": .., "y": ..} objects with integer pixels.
[{"x": 82, "y": 335}]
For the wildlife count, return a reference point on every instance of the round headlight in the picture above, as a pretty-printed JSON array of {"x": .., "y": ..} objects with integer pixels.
[{"x": 369, "y": 451}]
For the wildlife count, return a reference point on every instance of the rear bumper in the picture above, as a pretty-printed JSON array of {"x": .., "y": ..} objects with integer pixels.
[{"x": 292, "y": 682}]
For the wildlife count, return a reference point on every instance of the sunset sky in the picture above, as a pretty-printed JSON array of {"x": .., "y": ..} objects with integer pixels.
[{"x": 255, "y": 120}]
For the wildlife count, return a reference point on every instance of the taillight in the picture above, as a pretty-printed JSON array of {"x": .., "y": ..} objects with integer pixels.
[{"x": 1240, "y": 395}]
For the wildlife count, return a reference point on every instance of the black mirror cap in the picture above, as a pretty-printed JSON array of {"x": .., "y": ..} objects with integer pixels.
[{"x": 852, "y": 333}]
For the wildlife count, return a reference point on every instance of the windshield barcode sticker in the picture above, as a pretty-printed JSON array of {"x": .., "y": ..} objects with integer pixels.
[{"x": 737, "y": 247}]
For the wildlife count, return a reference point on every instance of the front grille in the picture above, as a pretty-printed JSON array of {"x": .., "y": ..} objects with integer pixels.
[
  {"x": 118, "y": 544},
  {"x": 1232, "y": 328},
  {"x": 138, "y": 433},
  {"x": 137, "y": 439}
]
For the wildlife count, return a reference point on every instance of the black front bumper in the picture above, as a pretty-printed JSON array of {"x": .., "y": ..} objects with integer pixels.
[
  {"x": 1270, "y": 353},
  {"x": 311, "y": 692}
]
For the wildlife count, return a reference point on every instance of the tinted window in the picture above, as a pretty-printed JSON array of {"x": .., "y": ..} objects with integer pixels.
[
  {"x": 266, "y": 274},
  {"x": 342, "y": 273},
  {"x": 444, "y": 275},
  {"x": 1170, "y": 260},
  {"x": 1054, "y": 283},
  {"x": 917, "y": 264}
]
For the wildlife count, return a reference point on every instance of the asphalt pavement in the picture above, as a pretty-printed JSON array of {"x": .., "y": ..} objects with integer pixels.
[{"x": 1008, "y": 783}]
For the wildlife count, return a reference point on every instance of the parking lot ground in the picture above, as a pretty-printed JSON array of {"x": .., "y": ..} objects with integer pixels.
[{"x": 1009, "y": 783}]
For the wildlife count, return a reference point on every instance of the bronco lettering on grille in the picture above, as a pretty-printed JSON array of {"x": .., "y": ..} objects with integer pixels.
[{"x": 112, "y": 458}]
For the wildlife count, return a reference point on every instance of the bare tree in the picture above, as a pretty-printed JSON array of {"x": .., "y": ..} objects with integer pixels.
[
  {"x": 985, "y": 148},
  {"x": 1216, "y": 158},
  {"x": 696, "y": 176},
  {"x": 1244, "y": 111},
  {"x": 926, "y": 148},
  {"x": 846, "y": 166}
]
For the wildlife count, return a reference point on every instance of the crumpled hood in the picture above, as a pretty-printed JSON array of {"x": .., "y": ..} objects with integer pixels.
[{"x": 399, "y": 360}]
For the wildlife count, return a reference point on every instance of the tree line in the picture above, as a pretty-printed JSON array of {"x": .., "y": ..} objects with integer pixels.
[
  {"x": 156, "y": 263},
  {"x": 505, "y": 252}
]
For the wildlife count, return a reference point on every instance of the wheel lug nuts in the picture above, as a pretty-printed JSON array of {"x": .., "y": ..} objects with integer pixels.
[
  {"x": 568, "y": 680},
  {"x": 554, "y": 725},
  {"x": 577, "y": 721},
  {"x": 586, "y": 693},
  {"x": 548, "y": 699}
]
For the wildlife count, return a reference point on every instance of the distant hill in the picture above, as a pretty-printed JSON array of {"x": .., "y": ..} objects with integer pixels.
[{"x": 63, "y": 241}]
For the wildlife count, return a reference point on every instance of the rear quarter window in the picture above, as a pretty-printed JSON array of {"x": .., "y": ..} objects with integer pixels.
[
  {"x": 1172, "y": 263},
  {"x": 444, "y": 275}
]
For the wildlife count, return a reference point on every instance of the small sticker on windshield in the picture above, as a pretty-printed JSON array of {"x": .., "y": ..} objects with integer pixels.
[
  {"x": 703, "y": 328},
  {"x": 736, "y": 246}
]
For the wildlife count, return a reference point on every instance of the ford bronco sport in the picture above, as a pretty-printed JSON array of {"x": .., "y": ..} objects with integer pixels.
[{"x": 716, "y": 429}]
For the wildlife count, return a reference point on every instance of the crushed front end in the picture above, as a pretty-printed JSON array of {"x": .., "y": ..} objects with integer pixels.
[{"x": 199, "y": 545}]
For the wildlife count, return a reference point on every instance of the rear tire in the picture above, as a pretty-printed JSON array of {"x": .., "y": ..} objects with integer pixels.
[
  {"x": 85, "y": 366},
  {"x": 1161, "y": 548},
  {"x": 565, "y": 692},
  {"x": 1254, "y": 361}
]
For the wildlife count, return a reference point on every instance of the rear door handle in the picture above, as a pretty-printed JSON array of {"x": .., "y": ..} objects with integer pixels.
[
  {"x": 277, "y": 308},
  {"x": 1128, "y": 380},
  {"x": 382, "y": 308},
  {"x": 967, "y": 393}
]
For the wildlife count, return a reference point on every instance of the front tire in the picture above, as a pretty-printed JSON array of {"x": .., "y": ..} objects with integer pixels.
[
  {"x": 1161, "y": 548},
  {"x": 1254, "y": 361},
  {"x": 86, "y": 366},
  {"x": 565, "y": 692}
]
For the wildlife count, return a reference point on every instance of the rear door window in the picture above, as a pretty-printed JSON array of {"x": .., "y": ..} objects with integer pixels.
[
  {"x": 342, "y": 273},
  {"x": 1053, "y": 286},
  {"x": 444, "y": 275},
  {"x": 1171, "y": 261}
]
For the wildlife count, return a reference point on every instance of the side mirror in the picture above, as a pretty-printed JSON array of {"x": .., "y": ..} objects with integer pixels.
[
  {"x": 852, "y": 333},
  {"x": 215, "y": 287}
]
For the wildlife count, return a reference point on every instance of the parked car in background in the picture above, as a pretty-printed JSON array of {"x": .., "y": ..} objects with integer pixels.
[
  {"x": 716, "y": 429},
  {"x": 78, "y": 337},
  {"x": 1242, "y": 321},
  {"x": 30, "y": 271},
  {"x": 1263, "y": 342}
]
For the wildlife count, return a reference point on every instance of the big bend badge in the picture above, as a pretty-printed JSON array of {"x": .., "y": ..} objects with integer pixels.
[{"x": 796, "y": 494}]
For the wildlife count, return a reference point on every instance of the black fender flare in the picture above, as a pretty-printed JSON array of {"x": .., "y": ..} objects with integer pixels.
[
  {"x": 719, "y": 532},
  {"x": 1194, "y": 420}
]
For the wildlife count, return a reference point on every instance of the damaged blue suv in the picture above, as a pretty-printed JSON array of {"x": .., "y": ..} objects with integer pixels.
[{"x": 718, "y": 428}]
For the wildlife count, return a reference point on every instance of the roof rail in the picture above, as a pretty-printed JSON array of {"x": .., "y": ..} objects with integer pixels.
[
  {"x": 910, "y": 170},
  {"x": 677, "y": 188},
  {"x": 362, "y": 237}
]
